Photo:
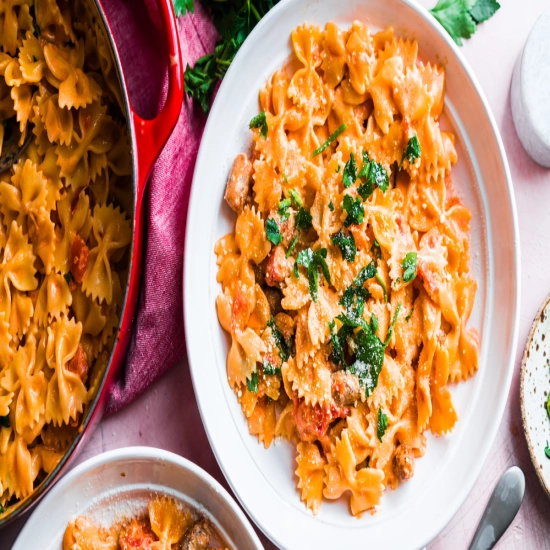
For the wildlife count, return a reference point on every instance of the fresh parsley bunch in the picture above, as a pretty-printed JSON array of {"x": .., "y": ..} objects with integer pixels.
[
  {"x": 461, "y": 17},
  {"x": 234, "y": 21}
]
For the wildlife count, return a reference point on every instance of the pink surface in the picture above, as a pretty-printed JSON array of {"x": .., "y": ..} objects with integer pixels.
[{"x": 166, "y": 415}]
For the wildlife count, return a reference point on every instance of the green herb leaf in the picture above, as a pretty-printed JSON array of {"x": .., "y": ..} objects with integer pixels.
[
  {"x": 234, "y": 21},
  {"x": 330, "y": 139},
  {"x": 355, "y": 210},
  {"x": 313, "y": 261},
  {"x": 68, "y": 277},
  {"x": 338, "y": 340},
  {"x": 547, "y": 450},
  {"x": 270, "y": 369},
  {"x": 284, "y": 346},
  {"x": 338, "y": 169},
  {"x": 181, "y": 6},
  {"x": 376, "y": 250},
  {"x": 408, "y": 318},
  {"x": 283, "y": 212},
  {"x": 303, "y": 219},
  {"x": 455, "y": 18},
  {"x": 382, "y": 283},
  {"x": 295, "y": 196},
  {"x": 412, "y": 151},
  {"x": 350, "y": 172},
  {"x": 392, "y": 326},
  {"x": 346, "y": 244},
  {"x": 291, "y": 247},
  {"x": 382, "y": 425},
  {"x": 272, "y": 231},
  {"x": 483, "y": 10},
  {"x": 5, "y": 421},
  {"x": 252, "y": 383},
  {"x": 331, "y": 206},
  {"x": 260, "y": 121},
  {"x": 409, "y": 267},
  {"x": 372, "y": 175}
]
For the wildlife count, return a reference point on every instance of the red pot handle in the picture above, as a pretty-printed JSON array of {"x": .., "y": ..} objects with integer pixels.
[{"x": 152, "y": 135}]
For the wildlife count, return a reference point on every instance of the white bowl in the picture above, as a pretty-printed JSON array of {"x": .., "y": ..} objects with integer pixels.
[
  {"x": 115, "y": 484},
  {"x": 264, "y": 480}
]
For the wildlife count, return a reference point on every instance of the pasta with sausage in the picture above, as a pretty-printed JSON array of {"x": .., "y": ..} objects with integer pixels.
[{"x": 346, "y": 286}]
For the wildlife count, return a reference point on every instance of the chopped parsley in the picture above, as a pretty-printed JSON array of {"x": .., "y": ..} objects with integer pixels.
[
  {"x": 252, "y": 383},
  {"x": 547, "y": 450},
  {"x": 382, "y": 283},
  {"x": 2, "y": 509},
  {"x": 370, "y": 353},
  {"x": 270, "y": 369},
  {"x": 376, "y": 250},
  {"x": 286, "y": 179},
  {"x": 295, "y": 196},
  {"x": 313, "y": 261},
  {"x": 338, "y": 169},
  {"x": 303, "y": 219},
  {"x": 346, "y": 244},
  {"x": 331, "y": 206},
  {"x": 410, "y": 314},
  {"x": 382, "y": 425},
  {"x": 5, "y": 421},
  {"x": 291, "y": 247},
  {"x": 330, "y": 139},
  {"x": 409, "y": 267},
  {"x": 338, "y": 340},
  {"x": 284, "y": 346},
  {"x": 356, "y": 294},
  {"x": 412, "y": 151},
  {"x": 355, "y": 210},
  {"x": 181, "y": 6},
  {"x": 461, "y": 17},
  {"x": 272, "y": 231},
  {"x": 68, "y": 277},
  {"x": 350, "y": 172},
  {"x": 260, "y": 121},
  {"x": 283, "y": 212},
  {"x": 372, "y": 174}
]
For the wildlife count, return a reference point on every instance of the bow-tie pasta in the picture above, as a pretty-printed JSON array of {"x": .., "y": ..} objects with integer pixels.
[
  {"x": 64, "y": 232},
  {"x": 345, "y": 286}
]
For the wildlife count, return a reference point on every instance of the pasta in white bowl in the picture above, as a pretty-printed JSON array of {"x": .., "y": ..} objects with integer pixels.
[{"x": 263, "y": 479}]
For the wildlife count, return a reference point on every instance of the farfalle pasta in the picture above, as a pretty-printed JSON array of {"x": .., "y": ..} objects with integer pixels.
[
  {"x": 346, "y": 286},
  {"x": 63, "y": 235},
  {"x": 166, "y": 524}
]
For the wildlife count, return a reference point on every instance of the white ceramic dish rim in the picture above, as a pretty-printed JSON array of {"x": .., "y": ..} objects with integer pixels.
[
  {"x": 514, "y": 301},
  {"x": 132, "y": 453}
]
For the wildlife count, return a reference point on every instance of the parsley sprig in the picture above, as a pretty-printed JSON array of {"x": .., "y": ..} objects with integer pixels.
[
  {"x": 260, "y": 121},
  {"x": 355, "y": 210},
  {"x": 313, "y": 262},
  {"x": 284, "y": 346},
  {"x": 412, "y": 151},
  {"x": 346, "y": 244},
  {"x": 382, "y": 425},
  {"x": 372, "y": 174},
  {"x": 461, "y": 17},
  {"x": 234, "y": 21},
  {"x": 409, "y": 267},
  {"x": 330, "y": 139}
]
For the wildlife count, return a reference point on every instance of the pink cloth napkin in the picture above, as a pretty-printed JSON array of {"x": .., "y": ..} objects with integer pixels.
[{"x": 158, "y": 337}]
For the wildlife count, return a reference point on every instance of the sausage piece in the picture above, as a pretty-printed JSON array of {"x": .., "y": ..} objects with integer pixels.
[
  {"x": 312, "y": 421},
  {"x": 274, "y": 297},
  {"x": 277, "y": 267},
  {"x": 403, "y": 463},
  {"x": 79, "y": 258},
  {"x": 137, "y": 534},
  {"x": 238, "y": 183},
  {"x": 79, "y": 364},
  {"x": 345, "y": 388},
  {"x": 197, "y": 537}
]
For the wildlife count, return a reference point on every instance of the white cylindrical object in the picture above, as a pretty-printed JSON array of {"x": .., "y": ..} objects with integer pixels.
[{"x": 530, "y": 94}]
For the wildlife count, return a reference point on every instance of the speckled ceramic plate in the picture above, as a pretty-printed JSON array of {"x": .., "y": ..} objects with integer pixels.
[{"x": 534, "y": 389}]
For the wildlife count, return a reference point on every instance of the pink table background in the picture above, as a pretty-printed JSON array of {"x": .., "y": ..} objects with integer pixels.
[{"x": 492, "y": 52}]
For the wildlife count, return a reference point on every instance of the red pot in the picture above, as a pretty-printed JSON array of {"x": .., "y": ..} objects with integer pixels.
[{"x": 148, "y": 138}]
